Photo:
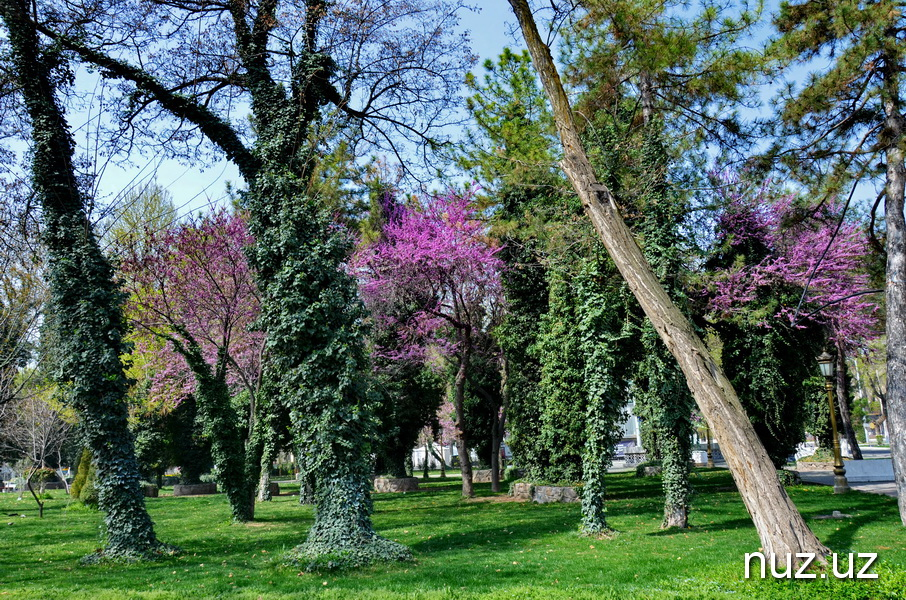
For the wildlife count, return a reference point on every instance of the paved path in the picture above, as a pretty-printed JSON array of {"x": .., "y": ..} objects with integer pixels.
[
  {"x": 827, "y": 478},
  {"x": 888, "y": 488}
]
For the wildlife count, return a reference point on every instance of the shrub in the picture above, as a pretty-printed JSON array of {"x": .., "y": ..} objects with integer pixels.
[
  {"x": 640, "y": 468},
  {"x": 89, "y": 492},
  {"x": 75, "y": 490},
  {"x": 788, "y": 477},
  {"x": 820, "y": 455}
]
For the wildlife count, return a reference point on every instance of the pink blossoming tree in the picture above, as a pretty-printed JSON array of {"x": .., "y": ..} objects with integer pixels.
[
  {"x": 435, "y": 259},
  {"x": 191, "y": 288},
  {"x": 789, "y": 263},
  {"x": 802, "y": 247}
]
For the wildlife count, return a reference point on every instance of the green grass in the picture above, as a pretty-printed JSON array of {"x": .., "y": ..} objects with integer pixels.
[{"x": 485, "y": 548}]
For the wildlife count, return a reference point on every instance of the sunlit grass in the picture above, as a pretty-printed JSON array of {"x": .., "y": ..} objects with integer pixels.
[{"x": 489, "y": 547}]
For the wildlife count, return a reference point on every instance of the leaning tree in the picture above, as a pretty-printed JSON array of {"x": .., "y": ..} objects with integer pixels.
[{"x": 780, "y": 526}]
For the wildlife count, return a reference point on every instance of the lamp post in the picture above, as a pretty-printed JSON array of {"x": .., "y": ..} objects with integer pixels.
[{"x": 826, "y": 364}]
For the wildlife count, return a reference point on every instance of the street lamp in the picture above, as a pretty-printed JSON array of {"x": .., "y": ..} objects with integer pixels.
[{"x": 826, "y": 363}]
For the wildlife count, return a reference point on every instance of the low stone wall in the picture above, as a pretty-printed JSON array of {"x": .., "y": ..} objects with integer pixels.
[
  {"x": 804, "y": 466},
  {"x": 481, "y": 476},
  {"x": 862, "y": 471},
  {"x": 274, "y": 488},
  {"x": 197, "y": 489},
  {"x": 544, "y": 494},
  {"x": 150, "y": 491},
  {"x": 523, "y": 491},
  {"x": 404, "y": 484}
]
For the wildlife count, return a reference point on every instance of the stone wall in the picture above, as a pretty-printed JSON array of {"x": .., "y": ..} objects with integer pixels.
[
  {"x": 481, "y": 476},
  {"x": 404, "y": 484},
  {"x": 197, "y": 489},
  {"x": 544, "y": 494},
  {"x": 814, "y": 466}
]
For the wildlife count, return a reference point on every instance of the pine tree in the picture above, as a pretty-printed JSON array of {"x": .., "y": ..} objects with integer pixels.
[{"x": 847, "y": 119}]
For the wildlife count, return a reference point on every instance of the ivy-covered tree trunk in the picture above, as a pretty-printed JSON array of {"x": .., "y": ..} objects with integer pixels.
[
  {"x": 526, "y": 293},
  {"x": 86, "y": 306},
  {"x": 235, "y": 471},
  {"x": 601, "y": 331},
  {"x": 666, "y": 405},
  {"x": 315, "y": 344},
  {"x": 562, "y": 391},
  {"x": 780, "y": 526}
]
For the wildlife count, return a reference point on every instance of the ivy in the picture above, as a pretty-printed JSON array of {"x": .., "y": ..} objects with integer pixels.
[
  {"x": 85, "y": 305},
  {"x": 562, "y": 390},
  {"x": 315, "y": 342},
  {"x": 603, "y": 333}
]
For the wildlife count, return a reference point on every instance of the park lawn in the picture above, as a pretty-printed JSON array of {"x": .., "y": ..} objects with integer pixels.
[{"x": 488, "y": 547}]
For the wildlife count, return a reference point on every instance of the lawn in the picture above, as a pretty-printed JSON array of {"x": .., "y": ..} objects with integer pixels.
[{"x": 488, "y": 547}]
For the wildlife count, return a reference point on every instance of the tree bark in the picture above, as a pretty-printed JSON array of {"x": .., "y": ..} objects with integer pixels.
[
  {"x": 499, "y": 426},
  {"x": 780, "y": 526},
  {"x": 846, "y": 421},
  {"x": 462, "y": 442},
  {"x": 896, "y": 280}
]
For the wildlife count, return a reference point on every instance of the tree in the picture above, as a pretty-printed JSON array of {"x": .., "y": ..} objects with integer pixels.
[
  {"x": 434, "y": 257},
  {"x": 22, "y": 291},
  {"x": 192, "y": 287},
  {"x": 303, "y": 67},
  {"x": 848, "y": 122},
  {"x": 774, "y": 250},
  {"x": 36, "y": 426},
  {"x": 85, "y": 304},
  {"x": 781, "y": 528},
  {"x": 510, "y": 151}
]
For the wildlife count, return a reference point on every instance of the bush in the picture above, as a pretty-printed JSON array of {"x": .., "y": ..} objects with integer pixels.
[
  {"x": 788, "y": 478},
  {"x": 75, "y": 490},
  {"x": 512, "y": 474},
  {"x": 640, "y": 468},
  {"x": 820, "y": 455},
  {"x": 89, "y": 492}
]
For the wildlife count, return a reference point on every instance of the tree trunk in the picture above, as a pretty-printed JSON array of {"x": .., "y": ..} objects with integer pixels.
[
  {"x": 85, "y": 302},
  {"x": 443, "y": 462},
  {"x": 462, "y": 445},
  {"x": 306, "y": 481},
  {"x": 780, "y": 526},
  {"x": 426, "y": 473},
  {"x": 221, "y": 426},
  {"x": 896, "y": 286},
  {"x": 499, "y": 425},
  {"x": 843, "y": 403},
  {"x": 495, "y": 459},
  {"x": 264, "y": 483}
]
